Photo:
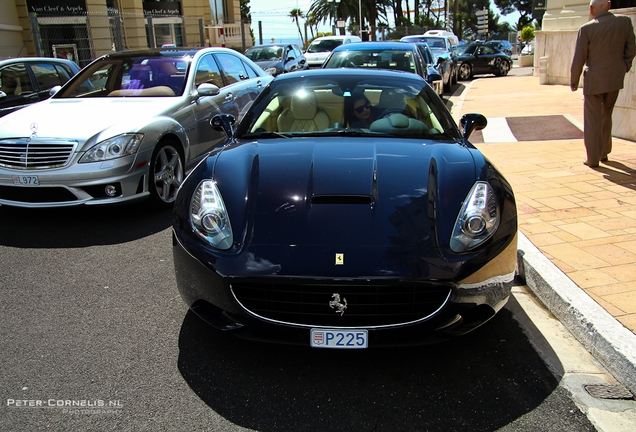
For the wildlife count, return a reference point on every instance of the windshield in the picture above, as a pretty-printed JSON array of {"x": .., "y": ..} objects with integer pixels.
[
  {"x": 403, "y": 60},
  {"x": 379, "y": 104},
  {"x": 130, "y": 77},
  {"x": 325, "y": 45},
  {"x": 466, "y": 49},
  {"x": 265, "y": 54},
  {"x": 436, "y": 42}
]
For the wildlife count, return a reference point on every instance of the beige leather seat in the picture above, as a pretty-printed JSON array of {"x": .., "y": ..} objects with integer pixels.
[
  {"x": 303, "y": 115},
  {"x": 393, "y": 100}
]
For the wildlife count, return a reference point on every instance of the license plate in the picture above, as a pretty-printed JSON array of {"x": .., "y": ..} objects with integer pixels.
[
  {"x": 328, "y": 338},
  {"x": 26, "y": 180}
]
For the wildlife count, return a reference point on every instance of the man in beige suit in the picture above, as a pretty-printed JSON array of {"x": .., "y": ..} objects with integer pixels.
[{"x": 606, "y": 45}]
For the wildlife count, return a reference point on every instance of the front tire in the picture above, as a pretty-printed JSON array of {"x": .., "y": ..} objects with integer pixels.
[
  {"x": 465, "y": 71},
  {"x": 447, "y": 85},
  {"x": 504, "y": 68},
  {"x": 166, "y": 174}
]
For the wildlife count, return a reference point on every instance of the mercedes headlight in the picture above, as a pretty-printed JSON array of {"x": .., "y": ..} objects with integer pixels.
[
  {"x": 113, "y": 148},
  {"x": 208, "y": 216},
  {"x": 477, "y": 220}
]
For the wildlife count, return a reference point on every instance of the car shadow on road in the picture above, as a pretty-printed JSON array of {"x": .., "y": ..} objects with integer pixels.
[
  {"x": 71, "y": 227},
  {"x": 479, "y": 382}
]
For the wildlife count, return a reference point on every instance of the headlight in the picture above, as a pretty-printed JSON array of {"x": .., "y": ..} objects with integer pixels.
[
  {"x": 477, "y": 220},
  {"x": 272, "y": 71},
  {"x": 208, "y": 216},
  {"x": 113, "y": 148}
]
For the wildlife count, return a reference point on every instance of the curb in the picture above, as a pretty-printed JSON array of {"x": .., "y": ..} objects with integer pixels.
[{"x": 599, "y": 332}]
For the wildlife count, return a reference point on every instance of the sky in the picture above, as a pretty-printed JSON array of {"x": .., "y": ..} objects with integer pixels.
[{"x": 276, "y": 23}]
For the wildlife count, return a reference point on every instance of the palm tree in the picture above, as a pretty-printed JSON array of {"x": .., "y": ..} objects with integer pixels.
[
  {"x": 348, "y": 9},
  {"x": 312, "y": 23},
  {"x": 296, "y": 14}
]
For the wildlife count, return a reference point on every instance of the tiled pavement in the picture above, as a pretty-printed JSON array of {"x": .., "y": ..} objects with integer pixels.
[
  {"x": 577, "y": 240},
  {"x": 582, "y": 219}
]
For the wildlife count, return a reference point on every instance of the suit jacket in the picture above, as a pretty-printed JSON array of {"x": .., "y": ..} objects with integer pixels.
[{"x": 606, "y": 45}]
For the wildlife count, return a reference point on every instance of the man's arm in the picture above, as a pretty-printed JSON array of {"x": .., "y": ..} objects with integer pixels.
[
  {"x": 580, "y": 57},
  {"x": 630, "y": 47}
]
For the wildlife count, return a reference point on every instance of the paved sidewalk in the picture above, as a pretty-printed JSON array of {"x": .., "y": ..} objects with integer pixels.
[{"x": 582, "y": 220}]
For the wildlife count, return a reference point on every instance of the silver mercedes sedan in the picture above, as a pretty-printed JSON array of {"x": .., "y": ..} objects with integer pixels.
[{"x": 127, "y": 127}]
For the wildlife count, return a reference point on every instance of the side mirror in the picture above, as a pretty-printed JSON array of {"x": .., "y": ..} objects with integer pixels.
[
  {"x": 207, "y": 89},
  {"x": 471, "y": 123},
  {"x": 223, "y": 123},
  {"x": 54, "y": 90}
]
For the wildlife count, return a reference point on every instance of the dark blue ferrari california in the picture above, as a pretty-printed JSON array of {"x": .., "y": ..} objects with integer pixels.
[{"x": 346, "y": 210}]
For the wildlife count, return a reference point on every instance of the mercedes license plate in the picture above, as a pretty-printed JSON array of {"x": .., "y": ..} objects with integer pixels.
[
  {"x": 329, "y": 338},
  {"x": 26, "y": 180}
]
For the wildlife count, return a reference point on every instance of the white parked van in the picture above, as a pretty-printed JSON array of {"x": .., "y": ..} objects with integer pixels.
[
  {"x": 436, "y": 39},
  {"x": 454, "y": 40},
  {"x": 320, "y": 48}
]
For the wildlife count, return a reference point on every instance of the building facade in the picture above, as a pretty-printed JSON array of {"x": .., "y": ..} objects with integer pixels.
[{"x": 82, "y": 30}]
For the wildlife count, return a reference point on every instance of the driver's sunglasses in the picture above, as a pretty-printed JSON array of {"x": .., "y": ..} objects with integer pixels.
[{"x": 361, "y": 109}]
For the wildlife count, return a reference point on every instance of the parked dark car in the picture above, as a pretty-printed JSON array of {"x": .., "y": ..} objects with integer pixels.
[
  {"x": 402, "y": 56},
  {"x": 24, "y": 81},
  {"x": 441, "y": 49},
  {"x": 501, "y": 45},
  {"x": 301, "y": 230},
  {"x": 479, "y": 58},
  {"x": 278, "y": 59},
  {"x": 443, "y": 62}
]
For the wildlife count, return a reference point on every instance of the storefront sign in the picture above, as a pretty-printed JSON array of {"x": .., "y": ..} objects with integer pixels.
[
  {"x": 162, "y": 8},
  {"x": 57, "y": 7}
]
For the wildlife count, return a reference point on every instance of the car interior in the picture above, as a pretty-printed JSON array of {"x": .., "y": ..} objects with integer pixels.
[{"x": 322, "y": 109}]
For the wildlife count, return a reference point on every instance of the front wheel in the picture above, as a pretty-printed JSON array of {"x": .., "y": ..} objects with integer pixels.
[
  {"x": 166, "y": 175},
  {"x": 504, "y": 68},
  {"x": 448, "y": 84},
  {"x": 465, "y": 71}
]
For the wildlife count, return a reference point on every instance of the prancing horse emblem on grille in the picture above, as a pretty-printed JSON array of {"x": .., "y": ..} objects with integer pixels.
[{"x": 335, "y": 304}]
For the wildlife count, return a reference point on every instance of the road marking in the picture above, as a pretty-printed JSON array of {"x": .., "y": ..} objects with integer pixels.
[{"x": 498, "y": 131}]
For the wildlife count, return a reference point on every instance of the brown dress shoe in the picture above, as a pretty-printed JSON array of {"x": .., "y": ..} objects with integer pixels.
[
  {"x": 605, "y": 159},
  {"x": 590, "y": 164}
]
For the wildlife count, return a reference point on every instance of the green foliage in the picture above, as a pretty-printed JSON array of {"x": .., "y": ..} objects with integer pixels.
[
  {"x": 527, "y": 34},
  {"x": 246, "y": 15}
]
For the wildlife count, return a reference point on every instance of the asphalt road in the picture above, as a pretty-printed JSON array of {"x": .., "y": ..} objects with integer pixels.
[{"x": 96, "y": 337}]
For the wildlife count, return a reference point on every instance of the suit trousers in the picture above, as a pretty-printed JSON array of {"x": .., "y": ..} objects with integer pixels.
[{"x": 597, "y": 132}]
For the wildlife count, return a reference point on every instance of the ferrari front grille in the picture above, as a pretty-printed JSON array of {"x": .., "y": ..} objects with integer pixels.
[
  {"x": 367, "y": 305},
  {"x": 34, "y": 155}
]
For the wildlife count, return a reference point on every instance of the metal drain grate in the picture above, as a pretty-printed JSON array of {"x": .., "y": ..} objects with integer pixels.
[{"x": 609, "y": 391}]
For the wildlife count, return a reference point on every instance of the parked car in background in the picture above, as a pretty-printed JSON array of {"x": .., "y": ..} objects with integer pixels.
[
  {"x": 454, "y": 40},
  {"x": 277, "y": 59},
  {"x": 479, "y": 58},
  {"x": 127, "y": 127},
  {"x": 401, "y": 56},
  {"x": 501, "y": 45},
  {"x": 441, "y": 48},
  {"x": 320, "y": 48},
  {"x": 302, "y": 230},
  {"x": 24, "y": 81}
]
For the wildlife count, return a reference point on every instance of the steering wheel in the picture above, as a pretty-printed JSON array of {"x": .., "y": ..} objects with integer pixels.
[
  {"x": 352, "y": 65},
  {"x": 389, "y": 112}
]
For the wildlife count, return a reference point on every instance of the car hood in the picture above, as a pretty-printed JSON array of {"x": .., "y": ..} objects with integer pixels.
[
  {"x": 80, "y": 119},
  {"x": 370, "y": 191},
  {"x": 268, "y": 64}
]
